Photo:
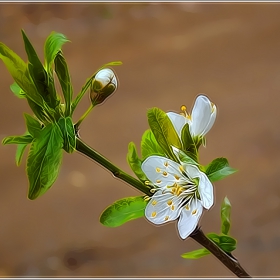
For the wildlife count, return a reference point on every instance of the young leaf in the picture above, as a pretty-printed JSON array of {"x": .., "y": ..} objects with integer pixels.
[
  {"x": 164, "y": 131},
  {"x": 23, "y": 139},
  {"x": 214, "y": 237},
  {"x": 19, "y": 153},
  {"x": 18, "y": 70},
  {"x": 39, "y": 75},
  {"x": 33, "y": 125},
  {"x": 219, "y": 169},
  {"x": 227, "y": 243},
  {"x": 196, "y": 254},
  {"x": 149, "y": 145},
  {"x": 53, "y": 45},
  {"x": 44, "y": 160},
  {"x": 188, "y": 142},
  {"x": 134, "y": 162},
  {"x": 225, "y": 216},
  {"x": 17, "y": 90},
  {"x": 123, "y": 210},
  {"x": 68, "y": 132},
  {"x": 62, "y": 72}
]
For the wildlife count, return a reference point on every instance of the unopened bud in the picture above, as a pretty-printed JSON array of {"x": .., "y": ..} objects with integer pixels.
[{"x": 103, "y": 85}]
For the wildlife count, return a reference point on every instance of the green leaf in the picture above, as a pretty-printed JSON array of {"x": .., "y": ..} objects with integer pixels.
[
  {"x": 113, "y": 63},
  {"x": 214, "y": 237},
  {"x": 219, "y": 169},
  {"x": 227, "y": 243},
  {"x": 44, "y": 160},
  {"x": 68, "y": 132},
  {"x": 164, "y": 132},
  {"x": 225, "y": 216},
  {"x": 62, "y": 72},
  {"x": 123, "y": 210},
  {"x": 134, "y": 162},
  {"x": 19, "y": 153},
  {"x": 53, "y": 45},
  {"x": 23, "y": 139},
  {"x": 33, "y": 125},
  {"x": 149, "y": 145},
  {"x": 185, "y": 158},
  {"x": 17, "y": 90},
  {"x": 189, "y": 145},
  {"x": 197, "y": 254},
  {"x": 39, "y": 75},
  {"x": 19, "y": 71}
]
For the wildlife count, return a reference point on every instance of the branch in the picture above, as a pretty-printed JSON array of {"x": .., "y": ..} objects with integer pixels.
[
  {"x": 117, "y": 172},
  {"x": 227, "y": 259}
]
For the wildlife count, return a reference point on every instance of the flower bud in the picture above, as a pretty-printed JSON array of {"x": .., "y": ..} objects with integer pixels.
[{"x": 103, "y": 85}]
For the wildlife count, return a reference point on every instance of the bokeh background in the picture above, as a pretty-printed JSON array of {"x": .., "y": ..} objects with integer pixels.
[{"x": 171, "y": 52}]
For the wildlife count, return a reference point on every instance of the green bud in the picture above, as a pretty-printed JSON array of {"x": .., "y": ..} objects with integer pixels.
[{"x": 103, "y": 85}]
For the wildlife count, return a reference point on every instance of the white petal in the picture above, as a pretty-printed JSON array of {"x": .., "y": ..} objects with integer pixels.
[
  {"x": 201, "y": 115},
  {"x": 205, "y": 187},
  {"x": 163, "y": 207},
  {"x": 178, "y": 121},
  {"x": 189, "y": 219},
  {"x": 212, "y": 120},
  {"x": 192, "y": 171},
  {"x": 206, "y": 191},
  {"x": 161, "y": 171}
]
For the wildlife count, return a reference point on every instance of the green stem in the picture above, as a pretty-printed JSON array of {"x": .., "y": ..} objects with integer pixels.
[
  {"x": 117, "y": 172},
  {"x": 83, "y": 116}
]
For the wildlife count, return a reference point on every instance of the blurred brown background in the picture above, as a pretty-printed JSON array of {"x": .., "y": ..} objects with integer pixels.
[{"x": 170, "y": 54}]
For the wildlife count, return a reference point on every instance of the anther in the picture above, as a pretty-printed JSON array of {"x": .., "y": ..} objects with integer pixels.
[
  {"x": 194, "y": 212},
  {"x": 154, "y": 202},
  {"x": 157, "y": 169},
  {"x": 154, "y": 214},
  {"x": 164, "y": 173}
]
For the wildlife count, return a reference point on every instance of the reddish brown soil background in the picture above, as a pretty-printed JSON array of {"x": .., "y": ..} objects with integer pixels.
[{"x": 171, "y": 53}]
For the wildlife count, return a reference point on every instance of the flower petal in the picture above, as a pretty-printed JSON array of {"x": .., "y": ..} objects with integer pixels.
[
  {"x": 201, "y": 115},
  {"x": 212, "y": 119},
  {"x": 206, "y": 192},
  {"x": 205, "y": 187},
  {"x": 189, "y": 218},
  {"x": 163, "y": 207},
  {"x": 178, "y": 121},
  {"x": 161, "y": 171}
]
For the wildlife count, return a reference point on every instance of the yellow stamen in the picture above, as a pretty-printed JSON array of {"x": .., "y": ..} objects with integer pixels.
[
  {"x": 166, "y": 218},
  {"x": 169, "y": 202},
  {"x": 181, "y": 168},
  {"x": 166, "y": 164},
  {"x": 177, "y": 177},
  {"x": 194, "y": 212},
  {"x": 172, "y": 207},
  {"x": 183, "y": 108},
  {"x": 154, "y": 214},
  {"x": 187, "y": 207},
  {"x": 164, "y": 173},
  {"x": 147, "y": 183},
  {"x": 157, "y": 169},
  {"x": 146, "y": 198},
  {"x": 158, "y": 181},
  {"x": 154, "y": 202}
]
